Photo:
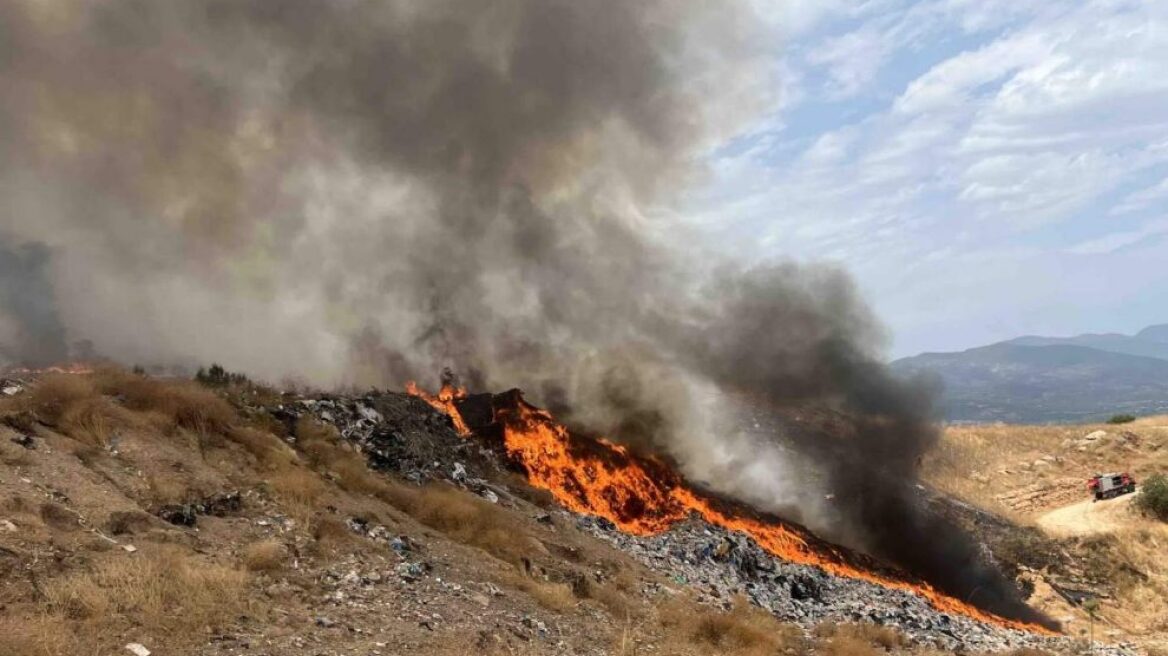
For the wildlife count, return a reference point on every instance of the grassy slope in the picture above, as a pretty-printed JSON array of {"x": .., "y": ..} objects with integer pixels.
[{"x": 1024, "y": 472}]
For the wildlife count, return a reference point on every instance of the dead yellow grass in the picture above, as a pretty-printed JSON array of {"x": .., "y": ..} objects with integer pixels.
[
  {"x": 1144, "y": 597},
  {"x": 874, "y": 635},
  {"x": 265, "y": 556},
  {"x": 468, "y": 519},
  {"x": 74, "y": 405},
  {"x": 609, "y": 594},
  {"x": 183, "y": 403},
  {"x": 40, "y": 635},
  {"x": 269, "y": 451},
  {"x": 742, "y": 631},
  {"x": 550, "y": 595},
  {"x": 165, "y": 591},
  {"x": 299, "y": 487}
]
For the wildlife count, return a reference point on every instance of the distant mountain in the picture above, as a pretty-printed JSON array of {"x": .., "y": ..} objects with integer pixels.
[{"x": 1051, "y": 379}]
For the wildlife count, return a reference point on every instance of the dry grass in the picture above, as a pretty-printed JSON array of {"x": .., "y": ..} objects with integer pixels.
[
  {"x": 337, "y": 459},
  {"x": 1136, "y": 566},
  {"x": 470, "y": 520},
  {"x": 265, "y": 556},
  {"x": 742, "y": 631},
  {"x": 874, "y": 635},
  {"x": 165, "y": 591},
  {"x": 553, "y": 596},
  {"x": 75, "y": 406},
  {"x": 329, "y": 530},
  {"x": 182, "y": 403},
  {"x": 300, "y": 488},
  {"x": 608, "y": 595},
  {"x": 40, "y": 635},
  {"x": 270, "y": 451},
  {"x": 846, "y": 646}
]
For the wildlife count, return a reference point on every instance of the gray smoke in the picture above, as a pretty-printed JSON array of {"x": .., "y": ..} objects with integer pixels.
[
  {"x": 366, "y": 192},
  {"x": 30, "y": 331}
]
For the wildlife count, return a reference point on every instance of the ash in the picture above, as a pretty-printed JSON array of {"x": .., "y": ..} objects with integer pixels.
[{"x": 405, "y": 435}]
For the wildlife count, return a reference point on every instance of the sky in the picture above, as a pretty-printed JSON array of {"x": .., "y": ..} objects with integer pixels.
[{"x": 984, "y": 168}]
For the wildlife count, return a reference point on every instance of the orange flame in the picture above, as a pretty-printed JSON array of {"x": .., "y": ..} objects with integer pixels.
[
  {"x": 444, "y": 402},
  {"x": 642, "y": 496}
]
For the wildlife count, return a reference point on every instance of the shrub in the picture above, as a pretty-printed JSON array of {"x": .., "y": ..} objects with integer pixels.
[
  {"x": 217, "y": 376},
  {"x": 54, "y": 395},
  {"x": 1121, "y": 419},
  {"x": 265, "y": 556},
  {"x": 1153, "y": 497}
]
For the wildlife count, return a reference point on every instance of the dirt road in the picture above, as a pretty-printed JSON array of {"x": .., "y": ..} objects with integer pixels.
[{"x": 1088, "y": 517}]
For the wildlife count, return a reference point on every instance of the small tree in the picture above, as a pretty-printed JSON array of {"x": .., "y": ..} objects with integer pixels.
[
  {"x": 217, "y": 376},
  {"x": 1153, "y": 498},
  {"x": 1121, "y": 419}
]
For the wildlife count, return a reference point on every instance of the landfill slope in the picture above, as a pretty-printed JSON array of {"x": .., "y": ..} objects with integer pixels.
[{"x": 242, "y": 519}]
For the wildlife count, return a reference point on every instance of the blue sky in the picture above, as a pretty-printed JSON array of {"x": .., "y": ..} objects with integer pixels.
[{"x": 984, "y": 168}]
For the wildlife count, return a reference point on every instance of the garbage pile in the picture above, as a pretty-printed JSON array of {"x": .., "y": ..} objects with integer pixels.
[{"x": 404, "y": 434}]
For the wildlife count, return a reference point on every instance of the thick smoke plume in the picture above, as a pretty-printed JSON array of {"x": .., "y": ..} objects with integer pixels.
[{"x": 365, "y": 192}]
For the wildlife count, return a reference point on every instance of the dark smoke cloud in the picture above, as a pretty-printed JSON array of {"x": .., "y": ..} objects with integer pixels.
[
  {"x": 30, "y": 331},
  {"x": 359, "y": 191}
]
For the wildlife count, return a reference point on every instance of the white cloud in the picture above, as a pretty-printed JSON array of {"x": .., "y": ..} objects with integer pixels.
[
  {"x": 1038, "y": 125},
  {"x": 1116, "y": 241},
  {"x": 1143, "y": 199}
]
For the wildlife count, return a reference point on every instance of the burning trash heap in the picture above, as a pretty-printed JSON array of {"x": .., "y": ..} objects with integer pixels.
[{"x": 718, "y": 548}]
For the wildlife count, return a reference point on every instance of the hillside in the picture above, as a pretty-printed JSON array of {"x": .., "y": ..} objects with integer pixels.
[
  {"x": 136, "y": 511},
  {"x": 1044, "y": 379},
  {"x": 1027, "y": 484}
]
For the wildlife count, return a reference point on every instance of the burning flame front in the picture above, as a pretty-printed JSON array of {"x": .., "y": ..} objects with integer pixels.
[{"x": 642, "y": 496}]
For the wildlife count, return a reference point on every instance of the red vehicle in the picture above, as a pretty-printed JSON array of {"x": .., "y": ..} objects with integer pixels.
[{"x": 1106, "y": 486}]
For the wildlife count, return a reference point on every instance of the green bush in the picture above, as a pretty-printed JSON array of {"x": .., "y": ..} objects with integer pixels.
[
  {"x": 1153, "y": 498},
  {"x": 1121, "y": 419},
  {"x": 217, "y": 376}
]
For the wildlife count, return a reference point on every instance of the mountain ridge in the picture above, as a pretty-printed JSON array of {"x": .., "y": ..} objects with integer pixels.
[{"x": 1036, "y": 379}]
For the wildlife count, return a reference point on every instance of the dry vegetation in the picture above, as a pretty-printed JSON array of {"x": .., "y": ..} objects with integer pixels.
[
  {"x": 742, "y": 631},
  {"x": 265, "y": 556},
  {"x": 997, "y": 467}
]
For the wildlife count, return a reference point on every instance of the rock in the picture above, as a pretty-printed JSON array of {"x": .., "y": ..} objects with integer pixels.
[
  {"x": 129, "y": 548},
  {"x": 26, "y": 441},
  {"x": 324, "y": 622},
  {"x": 7, "y": 525},
  {"x": 1094, "y": 436},
  {"x": 137, "y": 649},
  {"x": 411, "y": 572},
  {"x": 178, "y": 514}
]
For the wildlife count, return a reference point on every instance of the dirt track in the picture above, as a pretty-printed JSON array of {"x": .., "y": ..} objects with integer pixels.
[{"x": 1088, "y": 517}]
